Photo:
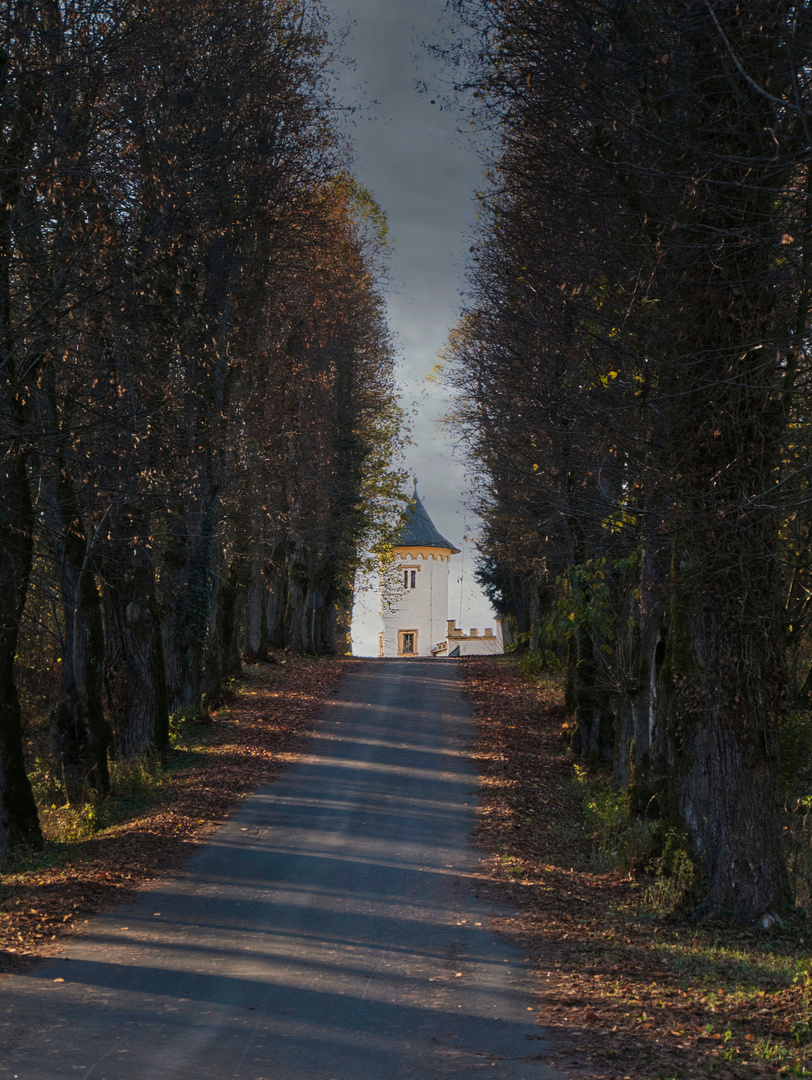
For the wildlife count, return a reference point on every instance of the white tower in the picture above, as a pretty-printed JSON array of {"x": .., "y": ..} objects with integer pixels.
[{"x": 415, "y": 618}]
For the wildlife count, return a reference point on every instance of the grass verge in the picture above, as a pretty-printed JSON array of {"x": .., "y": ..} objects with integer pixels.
[{"x": 626, "y": 989}]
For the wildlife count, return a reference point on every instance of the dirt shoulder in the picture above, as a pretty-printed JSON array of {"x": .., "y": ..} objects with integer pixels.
[
  {"x": 626, "y": 990},
  {"x": 254, "y": 731}
]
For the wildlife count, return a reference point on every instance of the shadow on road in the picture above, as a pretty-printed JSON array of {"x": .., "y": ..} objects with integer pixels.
[{"x": 330, "y": 931}]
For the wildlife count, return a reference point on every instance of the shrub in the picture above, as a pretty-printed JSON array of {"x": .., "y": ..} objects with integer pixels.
[
  {"x": 796, "y": 790},
  {"x": 634, "y": 844},
  {"x": 674, "y": 870},
  {"x": 621, "y": 840}
]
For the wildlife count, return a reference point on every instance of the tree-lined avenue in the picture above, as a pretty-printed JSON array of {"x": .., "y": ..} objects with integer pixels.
[{"x": 330, "y": 931}]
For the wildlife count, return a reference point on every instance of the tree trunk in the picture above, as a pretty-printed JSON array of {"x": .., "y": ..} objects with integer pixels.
[
  {"x": 80, "y": 734},
  {"x": 533, "y": 615},
  {"x": 135, "y": 674},
  {"x": 642, "y": 764},
  {"x": 728, "y": 689},
  {"x": 186, "y": 588},
  {"x": 297, "y": 614},
  {"x": 256, "y": 610},
  {"x": 594, "y": 733},
  {"x": 232, "y": 598},
  {"x": 212, "y": 680},
  {"x": 275, "y": 608},
  {"x": 19, "y": 823}
]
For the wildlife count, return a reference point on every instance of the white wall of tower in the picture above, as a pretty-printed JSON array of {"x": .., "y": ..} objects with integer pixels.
[{"x": 421, "y": 610}]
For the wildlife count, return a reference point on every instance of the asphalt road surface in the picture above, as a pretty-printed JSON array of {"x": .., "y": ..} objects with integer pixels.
[{"x": 329, "y": 931}]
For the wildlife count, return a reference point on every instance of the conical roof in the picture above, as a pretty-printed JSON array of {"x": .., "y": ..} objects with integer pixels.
[{"x": 419, "y": 530}]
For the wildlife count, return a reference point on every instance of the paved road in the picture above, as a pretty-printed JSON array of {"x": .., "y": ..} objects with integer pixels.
[{"x": 329, "y": 931}]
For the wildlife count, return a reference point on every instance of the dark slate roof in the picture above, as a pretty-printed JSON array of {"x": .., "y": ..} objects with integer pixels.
[{"x": 419, "y": 530}]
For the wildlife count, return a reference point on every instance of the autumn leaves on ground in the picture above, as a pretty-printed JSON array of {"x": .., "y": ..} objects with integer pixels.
[
  {"x": 625, "y": 987},
  {"x": 625, "y": 983},
  {"x": 244, "y": 739}
]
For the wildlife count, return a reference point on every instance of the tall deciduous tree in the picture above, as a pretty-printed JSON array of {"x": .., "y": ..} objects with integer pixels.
[
  {"x": 655, "y": 154},
  {"x": 197, "y": 408}
]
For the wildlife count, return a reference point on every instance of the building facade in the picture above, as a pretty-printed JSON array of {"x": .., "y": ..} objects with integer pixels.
[
  {"x": 415, "y": 602},
  {"x": 458, "y": 643},
  {"x": 415, "y": 597}
]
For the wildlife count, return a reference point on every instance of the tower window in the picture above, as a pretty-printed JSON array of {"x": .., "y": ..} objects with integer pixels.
[
  {"x": 408, "y": 642},
  {"x": 409, "y": 579}
]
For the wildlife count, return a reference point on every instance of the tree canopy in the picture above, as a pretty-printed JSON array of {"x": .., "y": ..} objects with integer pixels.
[
  {"x": 631, "y": 370},
  {"x": 198, "y": 411}
]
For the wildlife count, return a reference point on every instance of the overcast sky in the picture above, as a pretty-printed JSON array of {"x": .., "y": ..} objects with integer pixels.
[{"x": 424, "y": 175}]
